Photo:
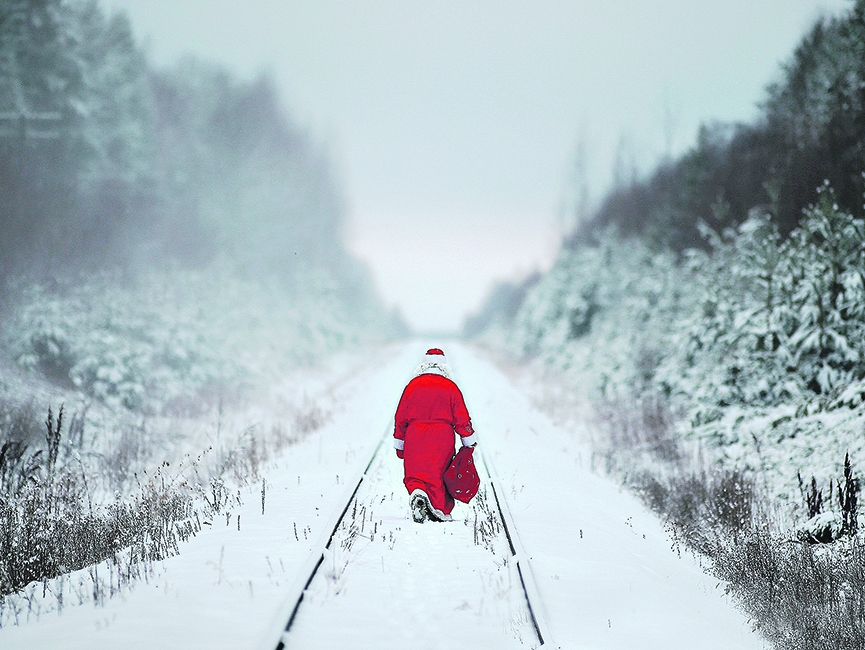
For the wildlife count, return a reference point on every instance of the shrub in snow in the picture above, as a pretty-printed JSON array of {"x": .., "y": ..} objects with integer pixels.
[
  {"x": 169, "y": 339},
  {"x": 50, "y": 523},
  {"x": 822, "y": 528},
  {"x": 848, "y": 497},
  {"x": 799, "y": 595},
  {"x": 126, "y": 348}
]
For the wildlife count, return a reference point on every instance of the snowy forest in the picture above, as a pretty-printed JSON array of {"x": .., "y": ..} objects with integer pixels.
[
  {"x": 170, "y": 239},
  {"x": 716, "y": 312}
]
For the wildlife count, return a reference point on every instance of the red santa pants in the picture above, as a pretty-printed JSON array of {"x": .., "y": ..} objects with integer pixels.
[{"x": 429, "y": 448}]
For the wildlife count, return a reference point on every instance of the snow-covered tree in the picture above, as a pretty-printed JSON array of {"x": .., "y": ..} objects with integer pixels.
[{"x": 825, "y": 278}]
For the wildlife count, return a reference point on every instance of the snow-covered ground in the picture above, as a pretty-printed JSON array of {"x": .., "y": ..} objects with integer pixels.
[{"x": 607, "y": 573}]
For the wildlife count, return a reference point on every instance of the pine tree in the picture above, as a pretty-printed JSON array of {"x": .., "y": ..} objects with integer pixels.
[{"x": 826, "y": 267}]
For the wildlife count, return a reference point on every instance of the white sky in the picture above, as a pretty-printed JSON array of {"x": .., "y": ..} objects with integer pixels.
[{"x": 453, "y": 124}]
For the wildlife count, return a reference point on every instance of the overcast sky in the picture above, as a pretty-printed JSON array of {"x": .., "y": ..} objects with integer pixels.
[{"x": 453, "y": 124}]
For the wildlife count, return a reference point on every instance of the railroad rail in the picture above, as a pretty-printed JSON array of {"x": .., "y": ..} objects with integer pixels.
[{"x": 316, "y": 559}]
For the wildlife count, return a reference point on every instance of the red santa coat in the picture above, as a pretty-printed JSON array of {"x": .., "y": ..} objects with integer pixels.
[{"x": 430, "y": 410}]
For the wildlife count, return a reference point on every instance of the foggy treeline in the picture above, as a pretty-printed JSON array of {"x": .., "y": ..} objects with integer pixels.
[
  {"x": 105, "y": 160},
  {"x": 170, "y": 248},
  {"x": 181, "y": 198},
  {"x": 811, "y": 128}
]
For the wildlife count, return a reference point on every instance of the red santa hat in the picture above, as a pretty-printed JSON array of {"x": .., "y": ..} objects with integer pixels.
[{"x": 435, "y": 355}]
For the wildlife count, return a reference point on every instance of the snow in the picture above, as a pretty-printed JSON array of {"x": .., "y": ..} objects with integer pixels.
[
  {"x": 605, "y": 567},
  {"x": 607, "y": 573},
  {"x": 411, "y": 585}
]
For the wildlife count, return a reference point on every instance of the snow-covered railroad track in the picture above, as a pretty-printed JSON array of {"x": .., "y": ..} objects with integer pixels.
[
  {"x": 380, "y": 579},
  {"x": 527, "y": 580},
  {"x": 602, "y": 562},
  {"x": 318, "y": 554}
]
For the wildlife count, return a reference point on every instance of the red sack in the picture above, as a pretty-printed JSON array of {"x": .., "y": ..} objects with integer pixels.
[{"x": 461, "y": 478}]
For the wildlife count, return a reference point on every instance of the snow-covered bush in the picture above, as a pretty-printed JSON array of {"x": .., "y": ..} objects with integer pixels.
[
  {"x": 136, "y": 349},
  {"x": 777, "y": 322},
  {"x": 168, "y": 340},
  {"x": 602, "y": 308}
]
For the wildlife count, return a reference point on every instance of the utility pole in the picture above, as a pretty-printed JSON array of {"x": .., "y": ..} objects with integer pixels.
[{"x": 20, "y": 126}]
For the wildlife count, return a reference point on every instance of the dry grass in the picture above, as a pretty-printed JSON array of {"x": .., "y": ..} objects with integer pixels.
[
  {"x": 51, "y": 523},
  {"x": 798, "y": 594}
]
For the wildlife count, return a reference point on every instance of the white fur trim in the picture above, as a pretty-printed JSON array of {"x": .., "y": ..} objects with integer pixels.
[
  {"x": 398, "y": 444},
  {"x": 468, "y": 441},
  {"x": 433, "y": 368}
]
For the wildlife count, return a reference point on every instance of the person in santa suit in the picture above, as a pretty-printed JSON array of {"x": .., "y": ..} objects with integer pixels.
[{"x": 430, "y": 411}]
